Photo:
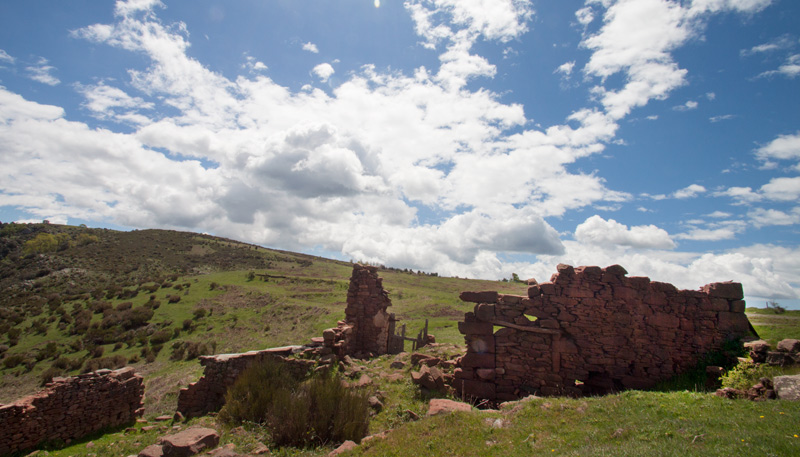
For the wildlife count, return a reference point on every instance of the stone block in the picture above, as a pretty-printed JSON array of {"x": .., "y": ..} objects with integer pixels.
[
  {"x": 485, "y": 312},
  {"x": 738, "y": 306},
  {"x": 473, "y": 360},
  {"x": 547, "y": 288},
  {"x": 475, "y": 328},
  {"x": 534, "y": 291},
  {"x": 479, "y": 297},
  {"x": 480, "y": 344},
  {"x": 729, "y": 290},
  {"x": 479, "y": 389},
  {"x": 189, "y": 442},
  {"x": 439, "y": 406}
]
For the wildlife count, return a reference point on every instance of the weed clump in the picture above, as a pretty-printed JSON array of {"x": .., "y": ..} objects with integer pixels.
[{"x": 297, "y": 410}]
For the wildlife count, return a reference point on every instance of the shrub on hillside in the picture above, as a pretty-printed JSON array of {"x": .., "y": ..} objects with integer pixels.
[
  {"x": 44, "y": 242},
  {"x": 48, "y": 375},
  {"x": 297, "y": 411},
  {"x": 161, "y": 336},
  {"x": 12, "y": 361},
  {"x": 114, "y": 362}
]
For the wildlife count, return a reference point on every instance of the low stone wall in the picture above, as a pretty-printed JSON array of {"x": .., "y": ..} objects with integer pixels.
[
  {"x": 591, "y": 330},
  {"x": 71, "y": 408},
  {"x": 221, "y": 371}
]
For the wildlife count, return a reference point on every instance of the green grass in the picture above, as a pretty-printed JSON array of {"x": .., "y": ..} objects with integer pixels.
[
  {"x": 629, "y": 424},
  {"x": 774, "y": 327}
]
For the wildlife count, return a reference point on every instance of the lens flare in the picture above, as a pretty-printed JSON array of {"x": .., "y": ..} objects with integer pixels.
[{"x": 377, "y": 3}]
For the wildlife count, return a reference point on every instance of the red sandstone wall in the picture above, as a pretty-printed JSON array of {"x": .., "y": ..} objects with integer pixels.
[
  {"x": 70, "y": 408},
  {"x": 366, "y": 311},
  {"x": 367, "y": 327},
  {"x": 221, "y": 371},
  {"x": 592, "y": 330}
]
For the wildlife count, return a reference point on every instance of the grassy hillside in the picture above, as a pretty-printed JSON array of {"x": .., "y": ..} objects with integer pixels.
[
  {"x": 74, "y": 299},
  {"x": 152, "y": 298}
]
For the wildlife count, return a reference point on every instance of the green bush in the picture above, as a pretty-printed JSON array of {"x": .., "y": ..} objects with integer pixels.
[
  {"x": 44, "y": 242},
  {"x": 745, "y": 375},
  {"x": 297, "y": 410}
]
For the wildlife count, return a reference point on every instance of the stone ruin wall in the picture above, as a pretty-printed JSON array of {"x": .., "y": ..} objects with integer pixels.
[
  {"x": 365, "y": 331},
  {"x": 71, "y": 408},
  {"x": 221, "y": 371},
  {"x": 368, "y": 327},
  {"x": 591, "y": 330}
]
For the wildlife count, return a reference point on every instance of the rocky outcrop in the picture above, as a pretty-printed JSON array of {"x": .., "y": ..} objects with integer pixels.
[
  {"x": 592, "y": 330},
  {"x": 71, "y": 408}
]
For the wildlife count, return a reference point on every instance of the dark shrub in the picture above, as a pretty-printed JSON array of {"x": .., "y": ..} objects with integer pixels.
[
  {"x": 124, "y": 306},
  {"x": 199, "y": 313},
  {"x": 97, "y": 352},
  {"x": 48, "y": 375},
  {"x": 173, "y": 298},
  {"x": 114, "y": 362},
  {"x": 13, "y": 360},
  {"x": 61, "y": 363},
  {"x": 49, "y": 351},
  {"x": 161, "y": 336},
  {"x": 298, "y": 411}
]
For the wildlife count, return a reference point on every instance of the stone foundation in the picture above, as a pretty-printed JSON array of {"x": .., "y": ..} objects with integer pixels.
[
  {"x": 221, "y": 371},
  {"x": 591, "y": 330},
  {"x": 71, "y": 408}
]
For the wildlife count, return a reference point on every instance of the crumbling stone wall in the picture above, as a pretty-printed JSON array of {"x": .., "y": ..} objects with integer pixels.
[
  {"x": 368, "y": 327},
  {"x": 71, "y": 408},
  {"x": 591, "y": 330},
  {"x": 221, "y": 371}
]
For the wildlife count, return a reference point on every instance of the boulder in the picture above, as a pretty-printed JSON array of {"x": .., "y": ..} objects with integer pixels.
[
  {"x": 189, "y": 442},
  {"x": 346, "y": 446},
  {"x": 787, "y": 387},
  {"x": 443, "y": 406},
  {"x": 429, "y": 377},
  {"x": 375, "y": 404},
  {"x": 417, "y": 357},
  {"x": 154, "y": 450},
  {"x": 789, "y": 345}
]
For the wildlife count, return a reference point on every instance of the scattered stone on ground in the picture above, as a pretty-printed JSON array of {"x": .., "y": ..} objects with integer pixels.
[
  {"x": 787, "y": 387},
  {"x": 430, "y": 378},
  {"x": 189, "y": 442},
  {"x": 417, "y": 357},
  {"x": 375, "y": 404},
  {"x": 346, "y": 446},
  {"x": 397, "y": 365},
  {"x": 163, "y": 418},
  {"x": 154, "y": 450},
  {"x": 443, "y": 406},
  {"x": 224, "y": 451},
  {"x": 364, "y": 381}
]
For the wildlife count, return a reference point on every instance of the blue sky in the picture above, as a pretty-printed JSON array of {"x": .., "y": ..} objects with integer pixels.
[{"x": 468, "y": 137}]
